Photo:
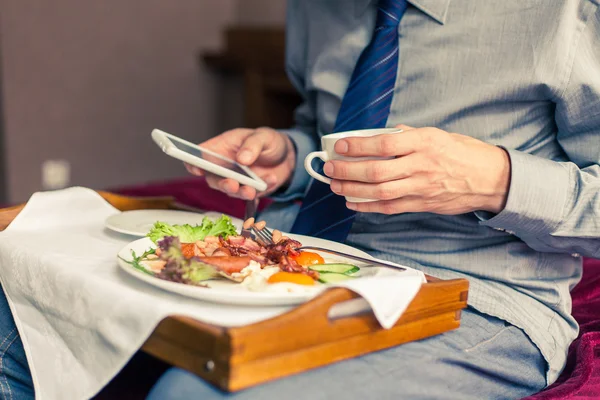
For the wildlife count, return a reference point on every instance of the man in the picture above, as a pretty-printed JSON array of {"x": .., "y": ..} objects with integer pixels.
[{"x": 509, "y": 202}]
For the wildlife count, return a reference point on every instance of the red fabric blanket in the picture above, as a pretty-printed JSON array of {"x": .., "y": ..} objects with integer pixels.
[
  {"x": 579, "y": 380},
  {"x": 581, "y": 377},
  {"x": 193, "y": 192}
]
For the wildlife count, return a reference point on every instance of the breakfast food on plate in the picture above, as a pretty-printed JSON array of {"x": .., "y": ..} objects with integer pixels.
[{"x": 195, "y": 255}]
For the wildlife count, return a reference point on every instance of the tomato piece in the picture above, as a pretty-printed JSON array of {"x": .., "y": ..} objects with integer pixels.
[
  {"x": 291, "y": 277},
  {"x": 187, "y": 249},
  {"x": 306, "y": 258}
]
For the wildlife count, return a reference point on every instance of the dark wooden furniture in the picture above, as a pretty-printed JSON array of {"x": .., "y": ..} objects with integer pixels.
[
  {"x": 302, "y": 339},
  {"x": 257, "y": 56}
]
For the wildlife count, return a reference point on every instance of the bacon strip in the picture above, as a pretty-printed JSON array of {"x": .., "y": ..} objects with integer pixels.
[
  {"x": 234, "y": 254},
  {"x": 227, "y": 264}
]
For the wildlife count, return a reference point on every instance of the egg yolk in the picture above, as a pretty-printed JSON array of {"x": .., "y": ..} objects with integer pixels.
[
  {"x": 306, "y": 258},
  {"x": 291, "y": 277}
]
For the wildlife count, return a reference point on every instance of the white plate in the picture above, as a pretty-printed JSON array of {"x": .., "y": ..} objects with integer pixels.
[
  {"x": 139, "y": 222},
  {"x": 224, "y": 291}
]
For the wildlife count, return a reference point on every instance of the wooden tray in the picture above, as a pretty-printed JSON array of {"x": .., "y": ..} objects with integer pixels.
[{"x": 302, "y": 339}]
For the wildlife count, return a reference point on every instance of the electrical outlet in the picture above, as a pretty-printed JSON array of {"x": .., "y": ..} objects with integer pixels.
[{"x": 56, "y": 174}]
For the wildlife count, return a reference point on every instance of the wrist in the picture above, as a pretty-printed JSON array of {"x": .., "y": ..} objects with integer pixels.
[
  {"x": 290, "y": 159},
  {"x": 497, "y": 181}
]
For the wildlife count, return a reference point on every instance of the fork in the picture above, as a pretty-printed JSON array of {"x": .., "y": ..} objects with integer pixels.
[
  {"x": 265, "y": 236},
  {"x": 250, "y": 212}
]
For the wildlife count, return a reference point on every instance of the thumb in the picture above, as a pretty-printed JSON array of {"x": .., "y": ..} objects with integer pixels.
[{"x": 254, "y": 145}]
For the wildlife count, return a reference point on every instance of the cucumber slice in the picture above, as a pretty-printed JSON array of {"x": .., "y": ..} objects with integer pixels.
[
  {"x": 345, "y": 269},
  {"x": 332, "y": 277}
]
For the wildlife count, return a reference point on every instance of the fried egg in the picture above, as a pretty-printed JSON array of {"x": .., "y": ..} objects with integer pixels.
[{"x": 254, "y": 278}]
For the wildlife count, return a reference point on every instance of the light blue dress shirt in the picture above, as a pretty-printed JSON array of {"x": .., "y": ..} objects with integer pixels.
[{"x": 521, "y": 74}]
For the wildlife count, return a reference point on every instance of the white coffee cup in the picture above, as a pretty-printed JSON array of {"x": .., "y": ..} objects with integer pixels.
[{"x": 328, "y": 153}]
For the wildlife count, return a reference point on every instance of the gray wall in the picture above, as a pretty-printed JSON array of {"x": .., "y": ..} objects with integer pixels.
[
  {"x": 261, "y": 12},
  {"x": 86, "y": 81}
]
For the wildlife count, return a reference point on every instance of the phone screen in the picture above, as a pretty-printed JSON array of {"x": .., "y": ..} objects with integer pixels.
[{"x": 198, "y": 152}]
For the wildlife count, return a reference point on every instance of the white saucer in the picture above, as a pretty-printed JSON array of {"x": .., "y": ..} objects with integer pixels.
[{"x": 139, "y": 222}]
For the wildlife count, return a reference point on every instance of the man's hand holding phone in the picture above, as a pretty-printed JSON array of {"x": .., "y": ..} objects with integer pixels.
[{"x": 268, "y": 153}]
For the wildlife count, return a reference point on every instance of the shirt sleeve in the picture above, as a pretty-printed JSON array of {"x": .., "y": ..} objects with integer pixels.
[
  {"x": 555, "y": 206},
  {"x": 304, "y": 134}
]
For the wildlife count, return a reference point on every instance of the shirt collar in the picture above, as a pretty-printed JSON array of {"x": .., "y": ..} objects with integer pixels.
[{"x": 436, "y": 9}]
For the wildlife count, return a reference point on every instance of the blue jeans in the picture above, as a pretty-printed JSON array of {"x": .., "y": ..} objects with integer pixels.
[
  {"x": 485, "y": 358},
  {"x": 15, "y": 378}
]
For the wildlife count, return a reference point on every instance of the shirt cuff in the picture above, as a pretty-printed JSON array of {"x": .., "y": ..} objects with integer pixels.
[
  {"x": 304, "y": 144},
  {"x": 537, "y": 197}
]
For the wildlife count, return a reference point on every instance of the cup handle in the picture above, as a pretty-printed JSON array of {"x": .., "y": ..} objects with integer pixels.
[{"x": 308, "y": 167}]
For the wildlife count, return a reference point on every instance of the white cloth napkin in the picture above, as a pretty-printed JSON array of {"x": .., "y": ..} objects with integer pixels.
[{"x": 81, "y": 318}]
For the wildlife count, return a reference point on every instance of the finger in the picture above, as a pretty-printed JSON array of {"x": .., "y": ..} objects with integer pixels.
[
  {"x": 234, "y": 189},
  {"x": 247, "y": 193},
  {"x": 225, "y": 185},
  {"x": 271, "y": 180},
  {"x": 390, "y": 207},
  {"x": 229, "y": 186},
  {"x": 217, "y": 143},
  {"x": 193, "y": 170},
  {"x": 385, "y": 145},
  {"x": 213, "y": 181},
  {"x": 373, "y": 171},
  {"x": 380, "y": 191},
  {"x": 254, "y": 145}
]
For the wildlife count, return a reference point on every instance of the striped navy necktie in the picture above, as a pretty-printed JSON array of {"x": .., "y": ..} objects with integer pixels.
[{"x": 366, "y": 105}]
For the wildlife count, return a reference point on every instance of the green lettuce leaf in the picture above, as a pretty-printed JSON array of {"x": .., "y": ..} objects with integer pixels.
[
  {"x": 188, "y": 234},
  {"x": 196, "y": 271},
  {"x": 222, "y": 227}
]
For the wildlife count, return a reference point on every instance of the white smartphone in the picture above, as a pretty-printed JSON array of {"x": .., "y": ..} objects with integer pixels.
[{"x": 207, "y": 160}]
